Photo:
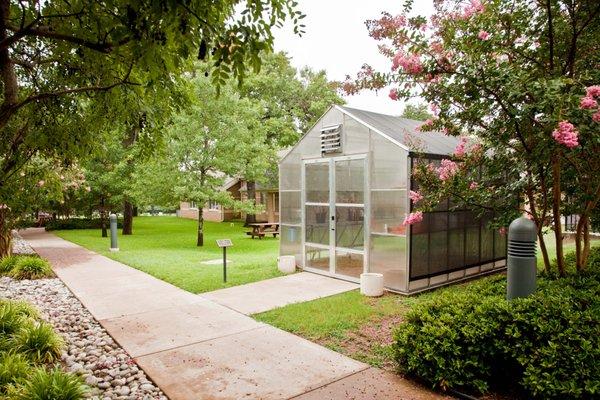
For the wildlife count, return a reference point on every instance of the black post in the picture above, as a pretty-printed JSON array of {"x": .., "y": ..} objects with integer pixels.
[{"x": 225, "y": 264}]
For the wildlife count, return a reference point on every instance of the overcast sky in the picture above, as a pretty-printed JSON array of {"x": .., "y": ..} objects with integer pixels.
[{"x": 337, "y": 41}]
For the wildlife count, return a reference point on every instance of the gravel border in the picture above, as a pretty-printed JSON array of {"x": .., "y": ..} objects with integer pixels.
[
  {"x": 90, "y": 351},
  {"x": 20, "y": 246}
]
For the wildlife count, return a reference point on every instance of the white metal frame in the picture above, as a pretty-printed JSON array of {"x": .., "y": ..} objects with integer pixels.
[{"x": 330, "y": 161}]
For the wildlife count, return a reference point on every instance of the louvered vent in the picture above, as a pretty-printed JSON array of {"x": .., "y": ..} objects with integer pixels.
[{"x": 331, "y": 139}]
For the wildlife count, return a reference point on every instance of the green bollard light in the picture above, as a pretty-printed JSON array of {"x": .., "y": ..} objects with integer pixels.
[{"x": 113, "y": 233}]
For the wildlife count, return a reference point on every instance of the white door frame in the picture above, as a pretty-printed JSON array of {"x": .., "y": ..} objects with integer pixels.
[{"x": 330, "y": 161}]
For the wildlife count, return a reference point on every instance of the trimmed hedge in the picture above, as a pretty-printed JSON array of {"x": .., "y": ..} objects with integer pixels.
[
  {"x": 546, "y": 345},
  {"x": 78, "y": 223}
]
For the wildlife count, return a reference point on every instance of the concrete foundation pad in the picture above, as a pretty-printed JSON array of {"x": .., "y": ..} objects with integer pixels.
[
  {"x": 277, "y": 292},
  {"x": 372, "y": 384},
  {"x": 263, "y": 363},
  {"x": 160, "y": 330}
]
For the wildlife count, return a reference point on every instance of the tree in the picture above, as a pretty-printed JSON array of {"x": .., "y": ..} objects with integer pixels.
[
  {"x": 207, "y": 143},
  {"x": 290, "y": 101},
  {"x": 57, "y": 56},
  {"x": 517, "y": 80},
  {"x": 417, "y": 112}
]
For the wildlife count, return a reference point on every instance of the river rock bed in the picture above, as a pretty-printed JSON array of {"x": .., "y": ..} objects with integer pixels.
[
  {"x": 89, "y": 351},
  {"x": 20, "y": 246}
]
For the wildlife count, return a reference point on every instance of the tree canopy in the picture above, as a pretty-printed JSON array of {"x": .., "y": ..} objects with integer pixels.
[{"x": 518, "y": 81}]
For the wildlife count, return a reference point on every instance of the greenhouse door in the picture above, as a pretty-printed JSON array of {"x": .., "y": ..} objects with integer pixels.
[{"x": 334, "y": 216}]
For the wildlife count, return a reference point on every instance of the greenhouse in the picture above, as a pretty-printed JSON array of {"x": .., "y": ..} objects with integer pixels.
[{"x": 344, "y": 196}]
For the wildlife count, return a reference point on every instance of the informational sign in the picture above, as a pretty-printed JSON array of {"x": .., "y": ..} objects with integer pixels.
[{"x": 224, "y": 243}]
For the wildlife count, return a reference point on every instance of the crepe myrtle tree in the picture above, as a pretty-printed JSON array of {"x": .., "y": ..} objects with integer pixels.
[
  {"x": 56, "y": 55},
  {"x": 517, "y": 80}
]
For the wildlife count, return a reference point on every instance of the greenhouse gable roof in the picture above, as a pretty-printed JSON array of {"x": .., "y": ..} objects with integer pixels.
[{"x": 404, "y": 131}]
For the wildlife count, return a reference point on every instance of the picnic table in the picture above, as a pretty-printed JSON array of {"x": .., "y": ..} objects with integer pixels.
[{"x": 260, "y": 229}]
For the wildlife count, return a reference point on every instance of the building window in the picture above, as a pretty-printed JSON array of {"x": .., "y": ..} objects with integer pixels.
[
  {"x": 276, "y": 202},
  {"x": 213, "y": 205},
  {"x": 193, "y": 205}
]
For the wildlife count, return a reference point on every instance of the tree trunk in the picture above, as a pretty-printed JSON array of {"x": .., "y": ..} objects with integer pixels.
[
  {"x": 127, "y": 218},
  {"x": 251, "y": 186},
  {"x": 539, "y": 221},
  {"x": 103, "y": 221},
  {"x": 556, "y": 193},
  {"x": 200, "y": 241},
  {"x": 5, "y": 235}
]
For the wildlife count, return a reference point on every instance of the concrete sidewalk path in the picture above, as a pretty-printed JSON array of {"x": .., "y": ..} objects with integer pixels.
[
  {"x": 261, "y": 296},
  {"x": 194, "y": 348}
]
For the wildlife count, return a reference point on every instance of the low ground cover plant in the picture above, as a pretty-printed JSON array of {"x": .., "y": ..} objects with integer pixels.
[
  {"x": 29, "y": 354},
  {"x": 27, "y": 267},
  {"x": 543, "y": 346}
]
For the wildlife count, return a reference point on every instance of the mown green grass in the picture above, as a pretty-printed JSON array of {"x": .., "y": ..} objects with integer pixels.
[{"x": 165, "y": 247}]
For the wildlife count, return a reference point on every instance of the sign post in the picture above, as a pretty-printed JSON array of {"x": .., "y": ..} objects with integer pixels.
[{"x": 224, "y": 244}]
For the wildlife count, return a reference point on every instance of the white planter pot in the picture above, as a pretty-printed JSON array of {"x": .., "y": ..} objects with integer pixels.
[
  {"x": 287, "y": 264},
  {"x": 371, "y": 284}
]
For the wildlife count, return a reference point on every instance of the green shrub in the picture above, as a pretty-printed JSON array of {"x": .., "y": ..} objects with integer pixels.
[
  {"x": 13, "y": 368},
  {"x": 11, "y": 319},
  {"x": 49, "y": 385},
  {"x": 77, "y": 223},
  {"x": 7, "y": 264},
  {"x": 31, "y": 268},
  {"x": 21, "y": 307},
  {"x": 39, "y": 342},
  {"x": 474, "y": 339}
]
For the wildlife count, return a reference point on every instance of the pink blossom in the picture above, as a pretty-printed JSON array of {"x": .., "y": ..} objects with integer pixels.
[
  {"x": 415, "y": 196},
  {"x": 447, "y": 169},
  {"x": 425, "y": 125},
  {"x": 473, "y": 185},
  {"x": 41, "y": 183},
  {"x": 413, "y": 218},
  {"x": 460, "y": 149},
  {"x": 593, "y": 91},
  {"x": 566, "y": 134},
  {"x": 436, "y": 47},
  {"x": 502, "y": 230},
  {"x": 393, "y": 94},
  {"x": 596, "y": 116},
  {"x": 435, "y": 109},
  {"x": 483, "y": 35},
  {"x": 472, "y": 8},
  {"x": 588, "y": 103},
  {"x": 410, "y": 63},
  {"x": 445, "y": 131}
]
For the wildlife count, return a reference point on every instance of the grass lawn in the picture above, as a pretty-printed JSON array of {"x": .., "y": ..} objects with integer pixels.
[
  {"x": 165, "y": 247},
  {"x": 358, "y": 326}
]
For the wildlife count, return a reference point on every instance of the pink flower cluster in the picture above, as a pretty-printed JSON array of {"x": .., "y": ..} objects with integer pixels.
[
  {"x": 588, "y": 102},
  {"x": 473, "y": 185},
  {"x": 415, "y": 196},
  {"x": 447, "y": 169},
  {"x": 425, "y": 125},
  {"x": 410, "y": 63},
  {"x": 566, "y": 134},
  {"x": 483, "y": 35},
  {"x": 386, "y": 26},
  {"x": 474, "y": 7},
  {"x": 460, "y": 149},
  {"x": 393, "y": 94},
  {"x": 413, "y": 218}
]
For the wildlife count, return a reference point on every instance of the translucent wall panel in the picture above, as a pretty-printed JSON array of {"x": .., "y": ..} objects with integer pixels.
[
  {"x": 317, "y": 258},
  {"x": 350, "y": 181},
  {"x": 388, "y": 167},
  {"x": 349, "y": 227},
  {"x": 291, "y": 242},
  {"x": 317, "y": 183},
  {"x": 349, "y": 264},
  {"x": 388, "y": 208},
  {"x": 355, "y": 137},
  {"x": 290, "y": 211},
  {"x": 317, "y": 224}
]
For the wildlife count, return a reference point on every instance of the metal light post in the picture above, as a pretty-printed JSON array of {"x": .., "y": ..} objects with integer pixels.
[
  {"x": 521, "y": 261},
  {"x": 113, "y": 233}
]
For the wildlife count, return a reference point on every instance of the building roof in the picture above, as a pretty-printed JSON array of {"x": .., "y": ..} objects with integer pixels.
[{"x": 404, "y": 131}]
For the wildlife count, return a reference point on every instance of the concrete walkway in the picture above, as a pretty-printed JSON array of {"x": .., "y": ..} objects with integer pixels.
[
  {"x": 194, "y": 348},
  {"x": 261, "y": 296}
]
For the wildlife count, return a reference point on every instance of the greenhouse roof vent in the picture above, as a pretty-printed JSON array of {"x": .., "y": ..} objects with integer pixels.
[{"x": 331, "y": 139}]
